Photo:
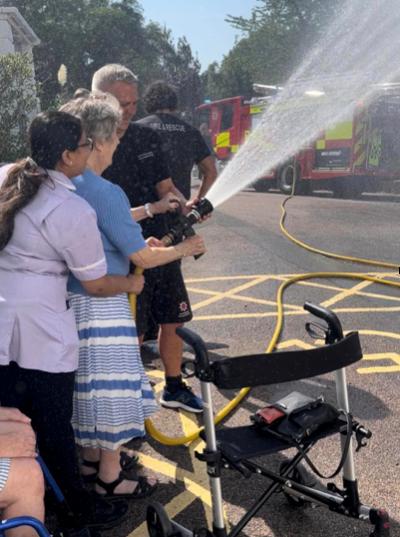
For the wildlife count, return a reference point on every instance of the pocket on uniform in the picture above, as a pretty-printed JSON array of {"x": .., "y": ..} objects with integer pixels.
[{"x": 7, "y": 323}]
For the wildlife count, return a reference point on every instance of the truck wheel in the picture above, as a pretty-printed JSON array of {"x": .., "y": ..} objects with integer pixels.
[{"x": 285, "y": 180}]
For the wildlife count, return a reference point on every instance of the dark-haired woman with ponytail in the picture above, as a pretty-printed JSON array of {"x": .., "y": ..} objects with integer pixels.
[{"x": 47, "y": 231}]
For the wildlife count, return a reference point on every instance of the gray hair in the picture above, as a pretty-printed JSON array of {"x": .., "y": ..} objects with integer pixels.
[
  {"x": 81, "y": 92},
  {"x": 99, "y": 112},
  {"x": 110, "y": 73}
]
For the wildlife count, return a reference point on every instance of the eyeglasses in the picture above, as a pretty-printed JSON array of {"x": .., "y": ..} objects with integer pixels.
[{"x": 89, "y": 143}]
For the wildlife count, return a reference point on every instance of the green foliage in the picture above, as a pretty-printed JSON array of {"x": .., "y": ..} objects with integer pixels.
[
  {"x": 275, "y": 39},
  {"x": 86, "y": 34},
  {"x": 17, "y": 103}
]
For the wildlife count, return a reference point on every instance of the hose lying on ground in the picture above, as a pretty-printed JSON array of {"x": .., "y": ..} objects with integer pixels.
[{"x": 177, "y": 441}]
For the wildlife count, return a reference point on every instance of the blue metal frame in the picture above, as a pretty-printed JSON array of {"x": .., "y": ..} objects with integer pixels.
[{"x": 34, "y": 523}]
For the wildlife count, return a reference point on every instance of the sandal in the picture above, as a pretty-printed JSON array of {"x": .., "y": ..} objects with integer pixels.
[
  {"x": 129, "y": 464},
  {"x": 90, "y": 478},
  {"x": 143, "y": 488}
]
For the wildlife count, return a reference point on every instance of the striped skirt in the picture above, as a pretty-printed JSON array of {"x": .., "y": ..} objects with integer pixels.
[
  {"x": 4, "y": 471},
  {"x": 112, "y": 395}
]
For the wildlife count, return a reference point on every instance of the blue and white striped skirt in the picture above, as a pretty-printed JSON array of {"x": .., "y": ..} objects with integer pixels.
[
  {"x": 112, "y": 396},
  {"x": 4, "y": 471}
]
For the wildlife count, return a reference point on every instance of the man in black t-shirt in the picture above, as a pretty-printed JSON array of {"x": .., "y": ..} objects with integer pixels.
[
  {"x": 183, "y": 145},
  {"x": 140, "y": 168}
]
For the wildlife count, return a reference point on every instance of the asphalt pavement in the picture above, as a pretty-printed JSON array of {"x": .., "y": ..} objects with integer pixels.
[{"x": 233, "y": 293}]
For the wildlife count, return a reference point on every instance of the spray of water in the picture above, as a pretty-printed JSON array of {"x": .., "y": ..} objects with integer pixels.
[{"x": 359, "y": 50}]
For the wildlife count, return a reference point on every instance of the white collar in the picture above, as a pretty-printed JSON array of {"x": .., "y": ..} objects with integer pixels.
[{"x": 61, "y": 179}]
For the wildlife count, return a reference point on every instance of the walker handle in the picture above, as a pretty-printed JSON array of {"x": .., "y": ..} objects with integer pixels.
[
  {"x": 335, "y": 332},
  {"x": 202, "y": 360}
]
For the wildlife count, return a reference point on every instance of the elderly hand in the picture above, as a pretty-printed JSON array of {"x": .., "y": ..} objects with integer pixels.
[
  {"x": 153, "y": 242},
  {"x": 136, "y": 283},
  {"x": 191, "y": 246},
  {"x": 13, "y": 414}
]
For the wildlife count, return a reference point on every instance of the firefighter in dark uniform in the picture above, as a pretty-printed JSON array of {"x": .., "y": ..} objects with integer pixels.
[{"x": 139, "y": 167}]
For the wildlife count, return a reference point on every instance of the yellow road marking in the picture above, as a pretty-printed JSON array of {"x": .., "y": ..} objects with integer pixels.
[
  {"x": 242, "y": 298},
  {"x": 224, "y": 316},
  {"x": 189, "y": 425},
  {"x": 251, "y": 281},
  {"x": 345, "y": 294},
  {"x": 192, "y": 490},
  {"x": 384, "y": 356},
  {"x": 226, "y": 294},
  {"x": 174, "y": 507},
  {"x": 371, "y": 357},
  {"x": 295, "y": 343},
  {"x": 156, "y": 373},
  {"x": 223, "y": 278},
  {"x": 391, "y": 335},
  {"x": 337, "y": 288},
  {"x": 199, "y": 488},
  {"x": 171, "y": 470},
  {"x": 379, "y": 369},
  {"x": 393, "y": 356},
  {"x": 274, "y": 276}
]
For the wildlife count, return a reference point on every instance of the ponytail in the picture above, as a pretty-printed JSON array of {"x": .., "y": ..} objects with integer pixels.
[{"x": 18, "y": 189}]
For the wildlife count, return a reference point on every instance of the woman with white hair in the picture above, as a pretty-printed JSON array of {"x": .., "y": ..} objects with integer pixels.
[{"x": 113, "y": 396}]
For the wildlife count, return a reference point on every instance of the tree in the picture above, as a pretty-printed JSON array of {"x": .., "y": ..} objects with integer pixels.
[
  {"x": 86, "y": 34},
  {"x": 83, "y": 35},
  {"x": 275, "y": 39},
  {"x": 173, "y": 63},
  {"x": 18, "y": 101}
]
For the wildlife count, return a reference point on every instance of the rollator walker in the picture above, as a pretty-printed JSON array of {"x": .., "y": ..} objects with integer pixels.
[{"x": 234, "y": 448}]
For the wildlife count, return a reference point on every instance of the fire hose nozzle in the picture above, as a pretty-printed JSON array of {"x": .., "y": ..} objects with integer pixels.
[
  {"x": 183, "y": 226},
  {"x": 203, "y": 208}
]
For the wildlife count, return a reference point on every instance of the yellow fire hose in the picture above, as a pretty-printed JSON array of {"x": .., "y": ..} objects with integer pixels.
[{"x": 178, "y": 441}]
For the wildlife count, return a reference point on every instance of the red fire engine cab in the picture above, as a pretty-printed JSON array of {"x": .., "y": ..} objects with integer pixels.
[{"x": 356, "y": 155}]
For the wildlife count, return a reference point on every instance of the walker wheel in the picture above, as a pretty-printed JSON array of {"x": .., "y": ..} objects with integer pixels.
[
  {"x": 380, "y": 519},
  {"x": 299, "y": 475},
  {"x": 158, "y": 522}
]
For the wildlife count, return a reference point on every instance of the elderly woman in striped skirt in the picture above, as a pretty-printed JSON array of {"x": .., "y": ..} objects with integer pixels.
[{"x": 113, "y": 396}]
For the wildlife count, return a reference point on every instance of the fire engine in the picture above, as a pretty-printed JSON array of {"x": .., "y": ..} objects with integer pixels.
[{"x": 356, "y": 155}]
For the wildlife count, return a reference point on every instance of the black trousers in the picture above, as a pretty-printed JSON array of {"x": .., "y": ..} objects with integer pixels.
[{"x": 47, "y": 399}]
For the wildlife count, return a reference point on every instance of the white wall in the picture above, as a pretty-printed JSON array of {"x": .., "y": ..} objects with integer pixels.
[{"x": 6, "y": 37}]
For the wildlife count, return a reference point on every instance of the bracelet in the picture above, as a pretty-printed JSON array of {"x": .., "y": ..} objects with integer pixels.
[{"x": 147, "y": 210}]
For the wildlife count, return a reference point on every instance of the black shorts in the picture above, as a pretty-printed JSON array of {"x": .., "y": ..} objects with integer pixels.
[{"x": 164, "y": 299}]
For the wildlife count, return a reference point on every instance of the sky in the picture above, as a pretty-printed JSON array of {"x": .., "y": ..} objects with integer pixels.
[{"x": 201, "y": 21}]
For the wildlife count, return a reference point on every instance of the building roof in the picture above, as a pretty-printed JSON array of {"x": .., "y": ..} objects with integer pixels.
[{"x": 22, "y": 32}]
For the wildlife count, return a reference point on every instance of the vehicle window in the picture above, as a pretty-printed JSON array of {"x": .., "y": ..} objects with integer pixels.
[{"x": 227, "y": 117}]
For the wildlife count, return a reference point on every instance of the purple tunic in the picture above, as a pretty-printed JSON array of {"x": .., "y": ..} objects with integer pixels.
[{"x": 54, "y": 234}]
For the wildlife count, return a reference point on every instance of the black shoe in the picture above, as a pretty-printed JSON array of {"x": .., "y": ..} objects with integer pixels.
[
  {"x": 95, "y": 512},
  {"x": 103, "y": 514},
  {"x": 182, "y": 398}
]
